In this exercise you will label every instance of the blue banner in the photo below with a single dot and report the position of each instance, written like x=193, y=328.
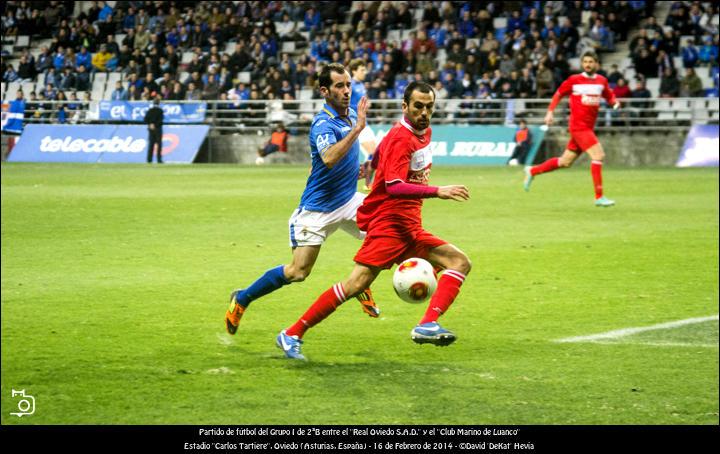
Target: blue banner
x=105, y=143
x=12, y=116
x=134, y=111
x=474, y=144
x=701, y=147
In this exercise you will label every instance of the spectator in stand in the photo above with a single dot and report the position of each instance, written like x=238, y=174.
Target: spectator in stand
x=691, y=85
x=645, y=64
x=312, y=22
x=690, y=54
x=26, y=70
x=621, y=89
x=614, y=75
x=641, y=92
x=83, y=58
x=120, y=93
x=100, y=59
x=105, y=11
x=664, y=61
x=544, y=81
x=708, y=53
x=10, y=75
x=67, y=79
x=669, y=84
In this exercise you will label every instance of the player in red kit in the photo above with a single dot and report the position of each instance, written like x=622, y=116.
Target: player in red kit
x=391, y=216
x=585, y=91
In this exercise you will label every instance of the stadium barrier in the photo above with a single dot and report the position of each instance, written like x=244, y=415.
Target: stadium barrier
x=643, y=132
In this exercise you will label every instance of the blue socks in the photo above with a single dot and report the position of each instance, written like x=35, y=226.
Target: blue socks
x=273, y=279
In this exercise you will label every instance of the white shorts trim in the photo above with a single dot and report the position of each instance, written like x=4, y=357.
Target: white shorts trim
x=312, y=228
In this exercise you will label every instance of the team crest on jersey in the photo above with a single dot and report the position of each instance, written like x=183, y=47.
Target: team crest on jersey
x=420, y=164
x=590, y=100
x=322, y=141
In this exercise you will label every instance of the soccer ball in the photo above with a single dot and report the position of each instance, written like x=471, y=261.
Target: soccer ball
x=414, y=280
x=259, y=161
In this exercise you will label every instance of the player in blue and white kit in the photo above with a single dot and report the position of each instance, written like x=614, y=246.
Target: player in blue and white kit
x=330, y=199
x=368, y=142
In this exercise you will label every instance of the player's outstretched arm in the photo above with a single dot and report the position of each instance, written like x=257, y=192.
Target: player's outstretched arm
x=335, y=153
x=456, y=192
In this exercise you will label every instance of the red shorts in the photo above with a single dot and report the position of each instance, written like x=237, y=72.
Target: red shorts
x=382, y=251
x=580, y=141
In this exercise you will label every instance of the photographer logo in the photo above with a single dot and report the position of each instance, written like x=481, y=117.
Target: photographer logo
x=26, y=404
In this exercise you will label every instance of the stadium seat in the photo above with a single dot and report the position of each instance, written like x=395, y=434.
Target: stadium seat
x=112, y=78
x=393, y=36
x=98, y=89
x=475, y=41
x=305, y=93
x=3, y=87
x=11, y=90
x=653, y=85
x=244, y=77
x=574, y=63
x=662, y=106
x=705, y=78
x=22, y=41
x=230, y=47
x=100, y=78
x=685, y=38
x=441, y=57
x=28, y=88
x=119, y=38
x=500, y=22
x=288, y=46
x=186, y=58
x=678, y=64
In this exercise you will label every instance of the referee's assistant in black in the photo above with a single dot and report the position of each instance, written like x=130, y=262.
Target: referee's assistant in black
x=154, y=120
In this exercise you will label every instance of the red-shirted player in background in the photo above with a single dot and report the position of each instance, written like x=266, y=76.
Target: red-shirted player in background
x=391, y=216
x=585, y=91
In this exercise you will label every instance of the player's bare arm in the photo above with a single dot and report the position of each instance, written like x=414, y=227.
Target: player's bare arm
x=455, y=192
x=336, y=152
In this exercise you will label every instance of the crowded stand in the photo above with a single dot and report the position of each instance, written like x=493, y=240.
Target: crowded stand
x=237, y=51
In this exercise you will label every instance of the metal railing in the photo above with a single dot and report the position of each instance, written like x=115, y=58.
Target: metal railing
x=651, y=114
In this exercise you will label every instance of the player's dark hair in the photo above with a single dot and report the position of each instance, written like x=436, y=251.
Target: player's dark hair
x=355, y=64
x=325, y=78
x=422, y=87
x=591, y=54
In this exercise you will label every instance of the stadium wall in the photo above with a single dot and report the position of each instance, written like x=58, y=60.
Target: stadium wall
x=622, y=148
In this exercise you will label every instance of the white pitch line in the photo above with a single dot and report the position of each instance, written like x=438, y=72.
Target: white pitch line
x=629, y=331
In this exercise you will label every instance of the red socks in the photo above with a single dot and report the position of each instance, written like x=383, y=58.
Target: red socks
x=448, y=288
x=319, y=311
x=596, y=170
x=547, y=166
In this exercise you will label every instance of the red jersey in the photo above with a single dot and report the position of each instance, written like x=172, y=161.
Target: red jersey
x=585, y=93
x=403, y=155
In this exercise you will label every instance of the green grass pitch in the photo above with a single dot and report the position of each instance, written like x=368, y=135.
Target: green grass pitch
x=115, y=280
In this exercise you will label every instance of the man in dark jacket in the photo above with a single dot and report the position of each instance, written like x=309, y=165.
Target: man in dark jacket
x=154, y=120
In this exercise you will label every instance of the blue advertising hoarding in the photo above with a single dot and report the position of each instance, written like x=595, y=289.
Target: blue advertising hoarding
x=105, y=143
x=134, y=111
x=473, y=144
x=701, y=147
